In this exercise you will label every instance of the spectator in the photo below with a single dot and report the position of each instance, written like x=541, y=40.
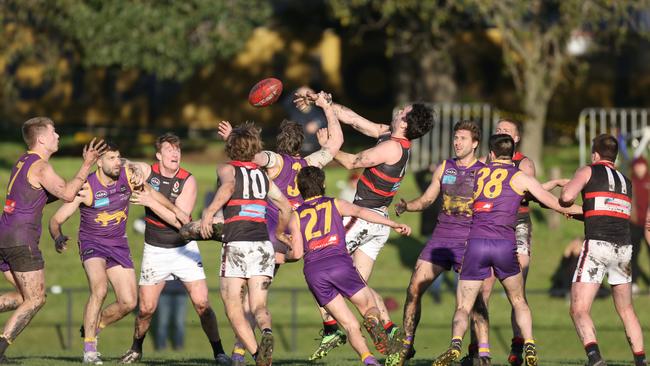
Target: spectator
x=169, y=318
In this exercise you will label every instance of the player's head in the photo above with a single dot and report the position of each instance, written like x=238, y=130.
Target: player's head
x=168, y=151
x=244, y=142
x=604, y=147
x=414, y=120
x=311, y=182
x=290, y=138
x=40, y=131
x=510, y=126
x=467, y=135
x=110, y=162
x=502, y=146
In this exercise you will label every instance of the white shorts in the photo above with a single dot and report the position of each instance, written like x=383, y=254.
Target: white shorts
x=162, y=264
x=365, y=236
x=601, y=257
x=246, y=259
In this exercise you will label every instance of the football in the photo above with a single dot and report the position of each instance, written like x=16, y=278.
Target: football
x=265, y=92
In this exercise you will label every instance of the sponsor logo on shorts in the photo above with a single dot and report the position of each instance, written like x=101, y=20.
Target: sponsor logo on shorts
x=199, y=264
x=101, y=194
x=10, y=206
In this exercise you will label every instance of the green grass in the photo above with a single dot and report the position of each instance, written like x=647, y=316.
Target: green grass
x=556, y=337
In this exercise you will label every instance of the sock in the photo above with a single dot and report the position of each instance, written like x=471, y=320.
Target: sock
x=100, y=327
x=408, y=341
x=217, y=348
x=517, y=345
x=639, y=359
x=4, y=343
x=137, y=344
x=484, y=350
x=368, y=359
x=472, y=349
x=330, y=327
x=388, y=327
x=592, y=350
x=457, y=343
x=90, y=344
x=267, y=330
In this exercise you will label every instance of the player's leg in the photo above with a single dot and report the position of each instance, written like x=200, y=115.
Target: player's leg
x=9, y=300
x=346, y=318
x=466, y=294
x=231, y=294
x=198, y=292
x=364, y=301
x=95, y=269
x=239, y=351
x=148, y=296
x=258, y=289
x=514, y=287
x=523, y=232
x=126, y=295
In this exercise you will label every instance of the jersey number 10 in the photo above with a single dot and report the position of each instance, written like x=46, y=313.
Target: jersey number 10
x=254, y=181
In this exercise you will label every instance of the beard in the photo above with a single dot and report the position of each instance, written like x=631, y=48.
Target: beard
x=113, y=174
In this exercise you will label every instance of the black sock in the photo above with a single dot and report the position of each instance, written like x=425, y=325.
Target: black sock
x=3, y=345
x=267, y=330
x=330, y=327
x=137, y=344
x=593, y=352
x=639, y=359
x=217, y=348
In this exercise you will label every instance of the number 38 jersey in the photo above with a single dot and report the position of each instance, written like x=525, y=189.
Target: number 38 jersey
x=245, y=212
x=321, y=226
x=496, y=202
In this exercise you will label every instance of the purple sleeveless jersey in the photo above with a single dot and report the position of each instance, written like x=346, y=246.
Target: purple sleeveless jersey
x=496, y=203
x=286, y=182
x=104, y=221
x=328, y=268
x=20, y=223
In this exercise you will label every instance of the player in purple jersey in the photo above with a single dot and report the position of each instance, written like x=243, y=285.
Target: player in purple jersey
x=607, y=249
x=166, y=255
x=491, y=245
x=384, y=168
x=454, y=179
x=103, y=245
x=32, y=184
x=317, y=233
x=248, y=261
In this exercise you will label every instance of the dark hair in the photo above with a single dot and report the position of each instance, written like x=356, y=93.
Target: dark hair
x=606, y=146
x=244, y=142
x=170, y=138
x=515, y=122
x=311, y=182
x=470, y=126
x=502, y=145
x=111, y=146
x=290, y=138
x=418, y=121
x=33, y=127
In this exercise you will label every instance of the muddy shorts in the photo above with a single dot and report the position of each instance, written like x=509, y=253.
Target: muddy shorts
x=599, y=258
x=163, y=264
x=246, y=259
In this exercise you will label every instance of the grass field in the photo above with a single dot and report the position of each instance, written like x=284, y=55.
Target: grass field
x=42, y=343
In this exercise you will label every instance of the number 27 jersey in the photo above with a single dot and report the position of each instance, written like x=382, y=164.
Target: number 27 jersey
x=245, y=212
x=496, y=202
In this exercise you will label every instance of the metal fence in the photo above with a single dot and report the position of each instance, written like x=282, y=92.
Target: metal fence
x=437, y=144
x=626, y=123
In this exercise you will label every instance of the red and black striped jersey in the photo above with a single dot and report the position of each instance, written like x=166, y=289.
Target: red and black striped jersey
x=379, y=184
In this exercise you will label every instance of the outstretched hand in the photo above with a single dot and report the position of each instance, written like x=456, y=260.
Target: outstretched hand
x=224, y=129
x=93, y=151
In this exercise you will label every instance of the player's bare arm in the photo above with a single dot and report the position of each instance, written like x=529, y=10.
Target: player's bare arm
x=226, y=174
x=527, y=166
x=361, y=124
x=43, y=174
x=283, y=205
x=388, y=152
x=145, y=197
x=294, y=241
x=330, y=145
x=350, y=209
x=551, y=184
x=573, y=188
x=428, y=197
x=61, y=216
x=524, y=182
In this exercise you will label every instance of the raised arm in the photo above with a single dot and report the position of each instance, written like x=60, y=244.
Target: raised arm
x=525, y=182
x=42, y=174
x=226, y=174
x=384, y=152
x=573, y=188
x=363, y=125
x=334, y=140
x=349, y=209
x=283, y=205
x=427, y=198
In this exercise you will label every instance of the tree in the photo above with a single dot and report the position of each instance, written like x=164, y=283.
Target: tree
x=534, y=36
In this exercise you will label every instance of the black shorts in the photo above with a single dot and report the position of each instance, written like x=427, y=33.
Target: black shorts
x=24, y=258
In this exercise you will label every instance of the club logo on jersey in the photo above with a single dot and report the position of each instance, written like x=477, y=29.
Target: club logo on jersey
x=122, y=189
x=104, y=218
x=102, y=202
x=10, y=206
x=451, y=171
x=176, y=187
x=101, y=194
x=155, y=183
x=483, y=206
